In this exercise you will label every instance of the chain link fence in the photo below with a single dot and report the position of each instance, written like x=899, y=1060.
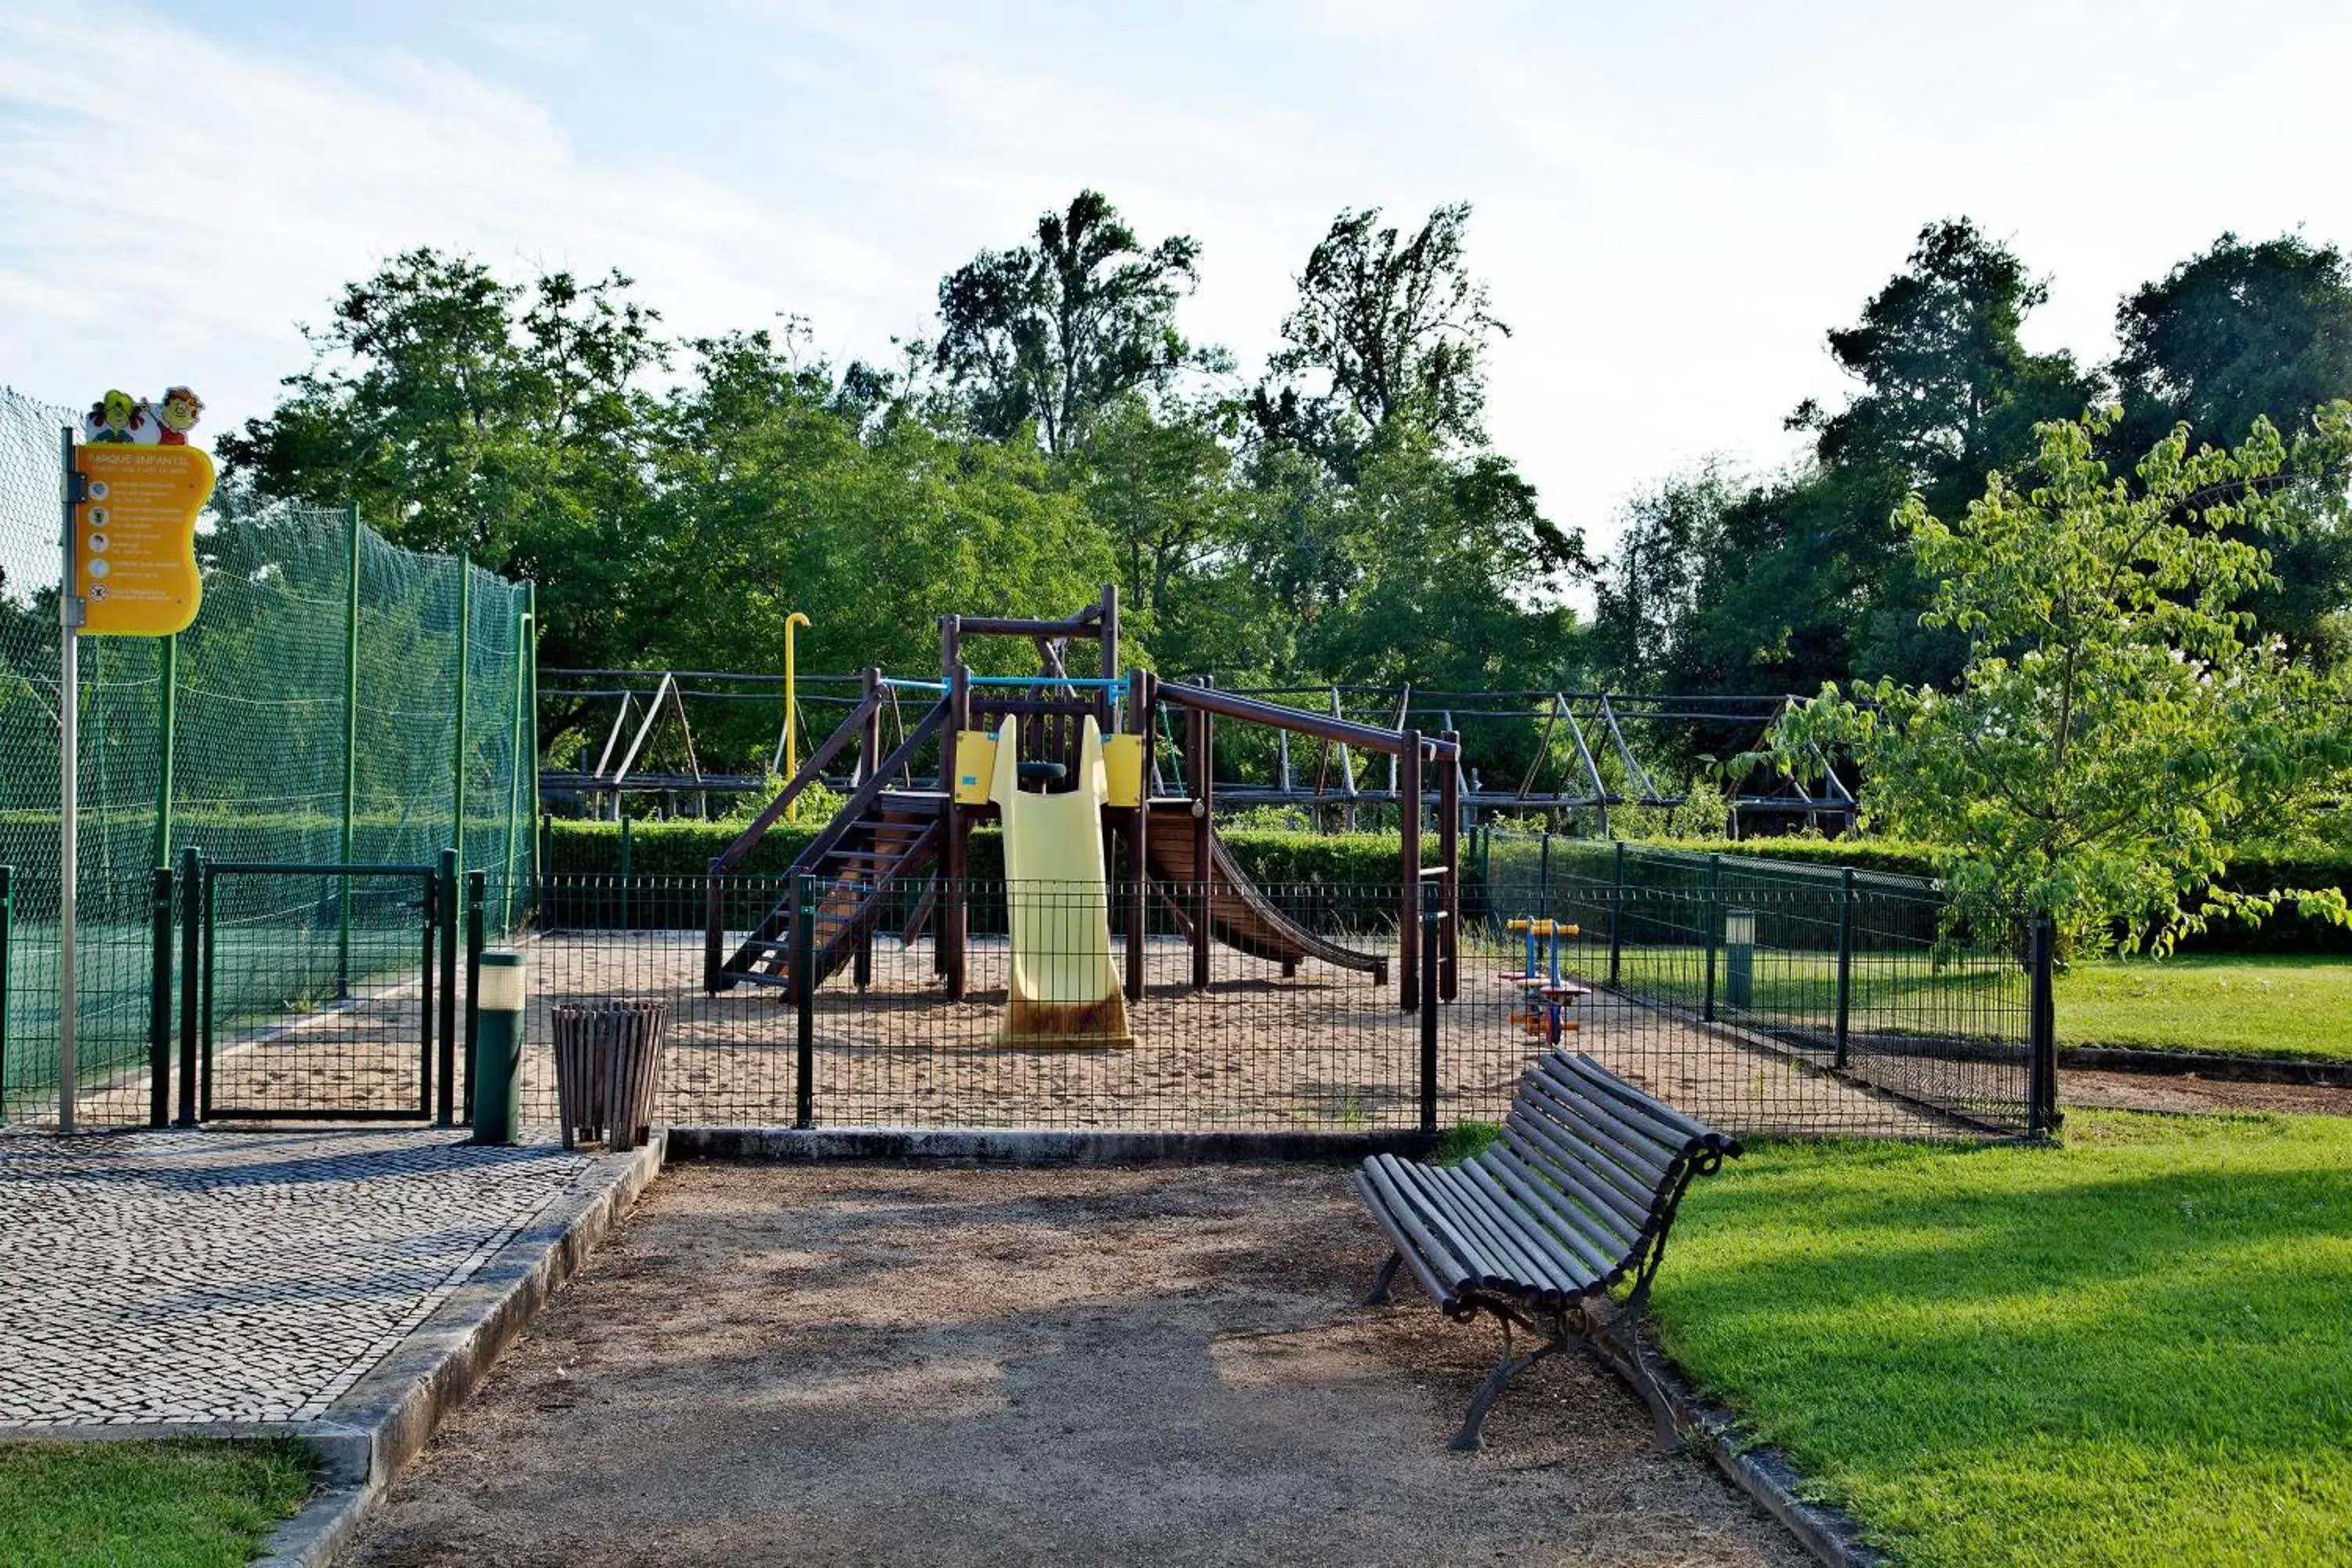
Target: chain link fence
x=310, y=716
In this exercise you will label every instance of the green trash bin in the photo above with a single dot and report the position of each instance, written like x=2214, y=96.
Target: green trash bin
x=497, y=1067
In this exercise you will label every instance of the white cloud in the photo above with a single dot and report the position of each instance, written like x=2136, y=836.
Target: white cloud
x=1672, y=207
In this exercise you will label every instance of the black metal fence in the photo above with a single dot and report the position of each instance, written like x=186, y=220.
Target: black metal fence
x=1766, y=998
x=1856, y=978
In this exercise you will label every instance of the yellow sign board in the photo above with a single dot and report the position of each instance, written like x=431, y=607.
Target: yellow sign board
x=135, y=537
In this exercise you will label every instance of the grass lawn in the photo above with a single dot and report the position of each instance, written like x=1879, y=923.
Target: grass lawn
x=2133, y=1348
x=2252, y=1006
x=180, y=1503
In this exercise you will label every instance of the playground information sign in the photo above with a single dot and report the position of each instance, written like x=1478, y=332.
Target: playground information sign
x=135, y=537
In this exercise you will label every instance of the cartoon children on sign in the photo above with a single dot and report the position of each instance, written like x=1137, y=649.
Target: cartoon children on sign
x=118, y=420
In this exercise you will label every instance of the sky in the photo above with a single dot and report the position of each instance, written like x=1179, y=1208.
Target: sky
x=1672, y=205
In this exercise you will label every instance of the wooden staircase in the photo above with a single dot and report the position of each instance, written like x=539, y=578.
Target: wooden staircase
x=862, y=859
x=878, y=853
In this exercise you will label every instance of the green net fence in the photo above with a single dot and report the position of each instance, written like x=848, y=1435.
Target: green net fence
x=262, y=717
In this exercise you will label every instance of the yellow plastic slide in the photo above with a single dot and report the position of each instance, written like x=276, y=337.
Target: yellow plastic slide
x=1065, y=990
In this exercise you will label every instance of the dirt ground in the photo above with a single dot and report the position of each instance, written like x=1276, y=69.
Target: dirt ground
x=866, y=1364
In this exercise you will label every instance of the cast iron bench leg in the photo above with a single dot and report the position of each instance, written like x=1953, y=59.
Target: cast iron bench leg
x=1468, y=1440
x=1379, y=1295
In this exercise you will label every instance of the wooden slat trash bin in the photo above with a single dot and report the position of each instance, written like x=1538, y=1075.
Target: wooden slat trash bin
x=608, y=1069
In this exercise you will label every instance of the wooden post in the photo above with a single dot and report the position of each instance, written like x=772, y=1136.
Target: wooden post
x=862, y=962
x=1449, y=855
x=1105, y=705
x=1408, y=797
x=1141, y=699
x=1199, y=776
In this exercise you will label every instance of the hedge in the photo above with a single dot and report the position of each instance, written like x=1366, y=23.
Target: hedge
x=1276, y=859
x=686, y=847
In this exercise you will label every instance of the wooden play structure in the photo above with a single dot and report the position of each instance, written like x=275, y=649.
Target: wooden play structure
x=1054, y=733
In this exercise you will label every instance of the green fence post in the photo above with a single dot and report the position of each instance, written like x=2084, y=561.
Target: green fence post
x=1433, y=911
x=204, y=999
x=445, y=901
x=351, y=741
x=1714, y=885
x=192, y=881
x=2041, y=1113
x=475, y=897
x=1845, y=958
x=514, y=776
x=167, y=717
x=159, y=1003
x=457, y=769
x=7, y=946
x=530, y=757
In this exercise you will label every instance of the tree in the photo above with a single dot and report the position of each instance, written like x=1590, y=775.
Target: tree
x=2121, y=731
x=1385, y=324
x=1646, y=604
x=1948, y=388
x=460, y=413
x=1162, y=484
x=2237, y=333
x=1058, y=331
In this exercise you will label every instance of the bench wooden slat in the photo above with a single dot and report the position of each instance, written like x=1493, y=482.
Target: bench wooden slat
x=1607, y=1233
x=1553, y=1156
x=1608, y=1082
x=1407, y=1251
x=1598, y=1210
x=1526, y=1260
x=1629, y=1122
x=1445, y=1263
x=1574, y=1273
x=1643, y=1163
x=1483, y=1262
x=1568, y=1222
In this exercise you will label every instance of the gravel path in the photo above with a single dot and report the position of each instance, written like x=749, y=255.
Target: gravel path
x=868, y=1365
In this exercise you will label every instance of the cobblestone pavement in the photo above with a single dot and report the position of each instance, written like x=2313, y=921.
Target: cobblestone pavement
x=215, y=1277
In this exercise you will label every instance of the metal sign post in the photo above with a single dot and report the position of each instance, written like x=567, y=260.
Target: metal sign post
x=70, y=619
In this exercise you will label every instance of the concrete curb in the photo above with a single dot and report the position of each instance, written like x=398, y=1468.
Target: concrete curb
x=372, y=1433
x=990, y=1146
x=2207, y=1064
x=1762, y=1473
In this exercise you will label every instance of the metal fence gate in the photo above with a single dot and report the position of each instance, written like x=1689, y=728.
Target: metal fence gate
x=315, y=992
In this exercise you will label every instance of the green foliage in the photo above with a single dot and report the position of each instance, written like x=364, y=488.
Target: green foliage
x=1385, y=327
x=1055, y=332
x=2121, y=731
x=685, y=847
x=2129, y=1349
x=2241, y=333
x=185, y=1502
x=459, y=413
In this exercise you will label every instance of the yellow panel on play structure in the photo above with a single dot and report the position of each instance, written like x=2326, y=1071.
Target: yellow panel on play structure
x=1123, y=766
x=975, y=766
x=1063, y=989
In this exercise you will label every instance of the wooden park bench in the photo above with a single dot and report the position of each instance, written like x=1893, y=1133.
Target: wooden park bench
x=1573, y=1200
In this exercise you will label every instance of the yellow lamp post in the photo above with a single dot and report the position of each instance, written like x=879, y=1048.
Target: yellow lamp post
x=791, y=716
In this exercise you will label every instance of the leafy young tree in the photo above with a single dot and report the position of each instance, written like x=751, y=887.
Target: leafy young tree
x=1059, y=330
x=2121, y=731
x=1386, y=323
